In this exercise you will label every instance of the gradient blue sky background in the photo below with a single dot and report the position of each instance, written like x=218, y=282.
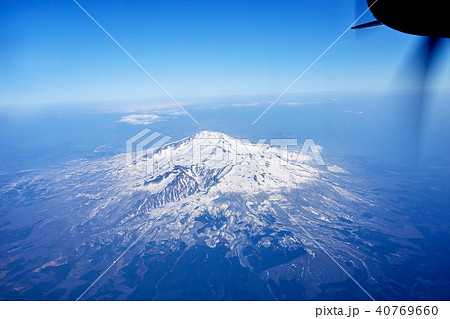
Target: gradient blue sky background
x=52, y=52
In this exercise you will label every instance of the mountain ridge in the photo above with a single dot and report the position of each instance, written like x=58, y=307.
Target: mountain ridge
x=229, y=214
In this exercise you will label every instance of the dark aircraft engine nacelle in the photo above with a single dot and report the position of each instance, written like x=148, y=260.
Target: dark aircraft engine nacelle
x=419, y=17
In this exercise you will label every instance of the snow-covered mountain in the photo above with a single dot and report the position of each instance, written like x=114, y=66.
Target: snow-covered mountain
x=207, y=217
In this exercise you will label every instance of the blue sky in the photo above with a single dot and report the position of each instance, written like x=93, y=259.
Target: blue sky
x=52, y=52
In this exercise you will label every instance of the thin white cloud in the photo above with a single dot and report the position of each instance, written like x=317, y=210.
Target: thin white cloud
x=141, y=119
x=295, y=103
x=246, y=104
x=144, y=108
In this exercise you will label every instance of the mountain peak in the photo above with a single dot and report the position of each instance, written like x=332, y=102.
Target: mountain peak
x=212, y=135
x=230, y=162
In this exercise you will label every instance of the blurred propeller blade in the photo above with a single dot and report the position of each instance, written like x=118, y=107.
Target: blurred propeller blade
x=416, y=76
x=360, y=7
x=367, y=21
x=421, y=68
x=368, y=25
